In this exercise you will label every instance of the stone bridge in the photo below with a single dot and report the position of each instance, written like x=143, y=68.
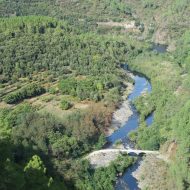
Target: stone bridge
x=128, y=151
x=101, y=158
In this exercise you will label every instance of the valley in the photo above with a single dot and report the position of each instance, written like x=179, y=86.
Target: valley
x=78, y=77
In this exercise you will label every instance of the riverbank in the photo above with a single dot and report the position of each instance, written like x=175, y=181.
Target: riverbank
x=152, y=173
x=122, y=114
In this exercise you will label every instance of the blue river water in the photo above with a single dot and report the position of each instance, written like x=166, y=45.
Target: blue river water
x=149, y=119
x=141, y=85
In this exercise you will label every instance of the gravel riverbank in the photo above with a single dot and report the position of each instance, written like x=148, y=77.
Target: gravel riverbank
x=121, y=115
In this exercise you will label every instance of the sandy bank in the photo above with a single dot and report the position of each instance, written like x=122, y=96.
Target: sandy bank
x=122, y=114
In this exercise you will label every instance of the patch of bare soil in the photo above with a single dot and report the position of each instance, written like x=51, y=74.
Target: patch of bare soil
x=53, y=107
x=51, y=104
x=168, y=150
x=4, y=105
x=126, y=25
x=82, y=105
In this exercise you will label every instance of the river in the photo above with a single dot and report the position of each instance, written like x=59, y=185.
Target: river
x=142, y=84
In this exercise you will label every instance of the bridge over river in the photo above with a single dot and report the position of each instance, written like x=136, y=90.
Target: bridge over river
x=103, y=157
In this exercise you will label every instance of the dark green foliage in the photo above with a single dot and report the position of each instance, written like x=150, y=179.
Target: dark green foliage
x=29, y=91
x=83, y=89
x=29, y=52
x=32, y=176
x=93, y=88
x=182, y=54
x=100, y=178
x=87, y=65
x=57, y=143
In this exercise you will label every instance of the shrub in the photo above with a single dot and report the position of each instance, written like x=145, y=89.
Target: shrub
x=53, y=90
x=65, y=105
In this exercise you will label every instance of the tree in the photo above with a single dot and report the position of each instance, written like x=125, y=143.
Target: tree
x=35, y=175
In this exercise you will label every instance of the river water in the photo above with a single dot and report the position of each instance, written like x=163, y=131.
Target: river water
x=141, y=85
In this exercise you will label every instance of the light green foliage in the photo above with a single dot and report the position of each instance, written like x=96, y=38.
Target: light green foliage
x=101, y=141
x=86, y=64
x=35, y=164
x=150, y=4
x=65, y=105
x=180, y=125
x=35, y=174
x=42, y=134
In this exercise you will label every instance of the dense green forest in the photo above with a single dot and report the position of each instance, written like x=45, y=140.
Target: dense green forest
x=100, y=10
x=28, y=137
x=55, y=51
x=42, y=49
x=38, y=51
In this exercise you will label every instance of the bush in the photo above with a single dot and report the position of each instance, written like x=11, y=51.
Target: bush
x=65, y=105
x=53, y=90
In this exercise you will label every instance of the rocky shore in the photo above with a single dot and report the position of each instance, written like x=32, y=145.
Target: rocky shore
x=122, y=114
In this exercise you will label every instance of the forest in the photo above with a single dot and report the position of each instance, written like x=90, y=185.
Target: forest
x=65, y=9
x=42, y=150
x=55, y=52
